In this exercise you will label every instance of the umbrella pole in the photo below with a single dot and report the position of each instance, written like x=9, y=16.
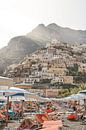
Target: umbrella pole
x=7, y=110
x=22, y=107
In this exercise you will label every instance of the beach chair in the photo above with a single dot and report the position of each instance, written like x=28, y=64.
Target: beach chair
x=53, y=123
x=18, y=116
x=2, y=119
x=54, y=127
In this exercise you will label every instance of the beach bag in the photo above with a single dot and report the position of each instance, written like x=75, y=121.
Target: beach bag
x=72, y=117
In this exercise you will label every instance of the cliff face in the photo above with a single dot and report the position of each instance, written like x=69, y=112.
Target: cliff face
x=16, y=50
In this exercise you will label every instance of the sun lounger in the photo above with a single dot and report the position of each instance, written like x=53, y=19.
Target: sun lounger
x=50, y=123
x=54, y=127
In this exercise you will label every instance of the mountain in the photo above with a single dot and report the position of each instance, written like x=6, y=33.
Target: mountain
x=16, y=50
x=41, y=34
x=20, y=46
x=45, y=34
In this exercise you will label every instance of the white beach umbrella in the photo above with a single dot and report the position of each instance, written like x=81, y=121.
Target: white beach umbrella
x=78, y=96
x=75, y=97
x=28, y=96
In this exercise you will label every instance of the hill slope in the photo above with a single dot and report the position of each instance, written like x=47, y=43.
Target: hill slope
x=16, y=50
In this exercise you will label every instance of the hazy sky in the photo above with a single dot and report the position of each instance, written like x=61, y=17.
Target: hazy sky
x=18, y=17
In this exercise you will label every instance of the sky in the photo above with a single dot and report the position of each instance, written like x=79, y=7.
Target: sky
x=18, y=17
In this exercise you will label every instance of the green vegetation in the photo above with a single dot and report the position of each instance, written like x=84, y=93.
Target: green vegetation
x=70, y=91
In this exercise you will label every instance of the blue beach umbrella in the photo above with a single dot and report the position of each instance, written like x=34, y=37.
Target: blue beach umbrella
x=11, y=92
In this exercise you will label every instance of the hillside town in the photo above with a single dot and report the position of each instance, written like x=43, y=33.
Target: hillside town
x=57, y=65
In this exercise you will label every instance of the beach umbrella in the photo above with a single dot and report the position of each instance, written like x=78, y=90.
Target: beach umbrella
x=24, y=95
x=18, y=89
x=78, y=96
x=83, y=92
x=19, y=92
x=10, y=92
